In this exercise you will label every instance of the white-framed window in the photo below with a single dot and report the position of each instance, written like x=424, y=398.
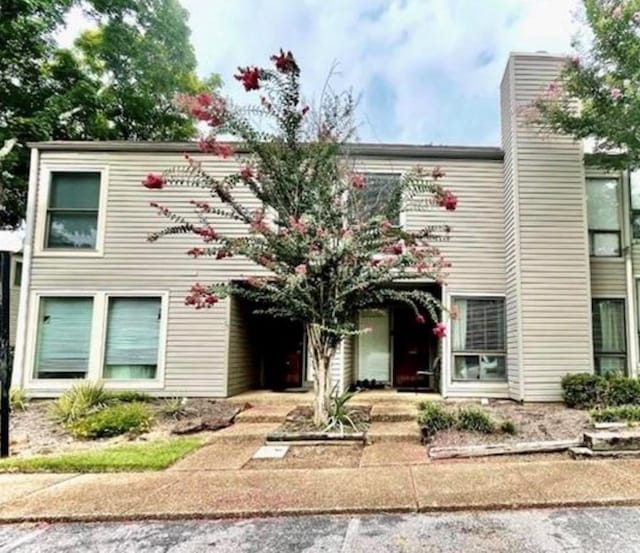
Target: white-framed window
x=71, y=211
x=478, y=335
x=63, y=340
x=603, y=212
x=634, y=184
x=609, y=335
x=118, y=337
x=132, y=338
x=382, y=196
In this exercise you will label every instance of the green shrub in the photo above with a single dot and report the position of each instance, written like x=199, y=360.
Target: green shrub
x=581, y=390
x=621, y=390
x=433, y=417
x=473, y=419
x=79, y=401
x=130, y=396
x=112, y=421
x=18, y=399
x=620, y=413
x=508, y=427
x=174, y=407
x=586, y=391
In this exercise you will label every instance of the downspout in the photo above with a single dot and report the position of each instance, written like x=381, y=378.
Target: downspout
x=19, y=375
x=632, y=324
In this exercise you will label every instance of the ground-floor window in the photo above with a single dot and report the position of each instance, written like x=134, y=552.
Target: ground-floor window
x=133, y=334
x=64, y=337
x=478, y=339
x=125, y=343
x=609, y=336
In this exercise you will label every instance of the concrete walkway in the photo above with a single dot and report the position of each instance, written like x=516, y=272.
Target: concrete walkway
x=228, y=492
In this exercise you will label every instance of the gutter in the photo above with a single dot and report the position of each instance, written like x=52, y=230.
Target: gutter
x=359, y=149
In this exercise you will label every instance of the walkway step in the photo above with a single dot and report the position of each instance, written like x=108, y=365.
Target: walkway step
x=265, y=413
x=586, y=453
x=404, y=431
x=393, y=412
x=621, y=440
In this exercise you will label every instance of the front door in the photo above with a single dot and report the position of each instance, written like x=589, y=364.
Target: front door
x=414, y=351
x=283, y=354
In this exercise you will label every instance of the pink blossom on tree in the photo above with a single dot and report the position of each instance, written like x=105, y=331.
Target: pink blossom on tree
x=327, y=251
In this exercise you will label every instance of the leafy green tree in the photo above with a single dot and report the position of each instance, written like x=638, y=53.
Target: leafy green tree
x=116, y=83
x=598, y=93
x=320, y=251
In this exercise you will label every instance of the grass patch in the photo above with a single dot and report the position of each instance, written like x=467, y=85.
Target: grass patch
x=128, y=457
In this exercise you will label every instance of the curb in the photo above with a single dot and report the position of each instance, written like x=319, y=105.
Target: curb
x=239, y=515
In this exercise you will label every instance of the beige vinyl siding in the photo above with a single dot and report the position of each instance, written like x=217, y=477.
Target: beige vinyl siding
x=511, y=234
x=196, y=352
x=552, y=236
x=608, y=277
x=348, y=376
x=476, y=245
x=243, y=373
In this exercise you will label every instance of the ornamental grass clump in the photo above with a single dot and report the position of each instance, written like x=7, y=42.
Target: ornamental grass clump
x=82, y=399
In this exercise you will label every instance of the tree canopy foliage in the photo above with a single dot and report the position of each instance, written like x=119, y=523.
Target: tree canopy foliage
x=116, y=82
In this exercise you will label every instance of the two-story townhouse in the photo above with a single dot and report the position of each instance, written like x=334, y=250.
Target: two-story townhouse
x=544, y=273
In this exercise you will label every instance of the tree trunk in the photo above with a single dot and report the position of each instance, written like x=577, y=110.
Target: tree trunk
x=322, y=348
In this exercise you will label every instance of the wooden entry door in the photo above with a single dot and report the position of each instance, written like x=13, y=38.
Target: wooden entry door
x=414, y=350
x=283, y=354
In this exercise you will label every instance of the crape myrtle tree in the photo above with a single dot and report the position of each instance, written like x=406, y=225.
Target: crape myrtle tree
x=323, y=253
x=597, y=95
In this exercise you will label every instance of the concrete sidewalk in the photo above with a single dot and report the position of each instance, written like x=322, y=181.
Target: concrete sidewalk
x=257, y=493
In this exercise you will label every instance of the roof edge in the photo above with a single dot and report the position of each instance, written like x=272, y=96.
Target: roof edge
x=361, y=149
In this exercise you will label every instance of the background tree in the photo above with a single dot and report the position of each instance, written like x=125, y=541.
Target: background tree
x=115, y=83
x=598, y=93
x=321, y=254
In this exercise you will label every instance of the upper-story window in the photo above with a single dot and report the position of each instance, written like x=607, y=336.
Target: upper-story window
x=603, y=207
x=72, y=211
x=382, y=196
x=635, y=204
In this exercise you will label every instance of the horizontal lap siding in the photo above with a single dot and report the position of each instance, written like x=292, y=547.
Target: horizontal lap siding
x=555, y=281
x=608, y=278
x=196, y=352
x=511, y=233
x=476, y=245
x=347, y=369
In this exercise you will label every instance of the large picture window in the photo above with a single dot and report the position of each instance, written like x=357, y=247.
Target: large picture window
x=133, y=334
x=64, y=337
x=479, y=343
x=72, y=213
x=603, y=210
x=609, y=336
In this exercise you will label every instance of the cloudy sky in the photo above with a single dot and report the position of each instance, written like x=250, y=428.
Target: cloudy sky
x=426, y=71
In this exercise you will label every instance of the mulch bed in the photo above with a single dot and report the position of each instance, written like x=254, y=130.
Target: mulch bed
x=300, y=421
x=534, y=422
x=32, y=432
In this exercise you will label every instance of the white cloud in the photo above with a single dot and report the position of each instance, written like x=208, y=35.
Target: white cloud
x=443, y=59
x=427, y=50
